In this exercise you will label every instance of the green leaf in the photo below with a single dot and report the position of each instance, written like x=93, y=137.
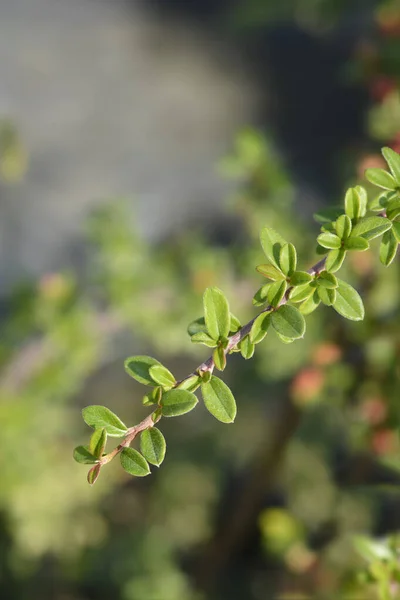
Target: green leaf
x=388, y=248
x=300, y=278
x=260, y=327
x=329, y=240
x=363, y=199
x=343, y=227
x=270, y=272
x=289, y=322
x=235, y=324
x=371, y=550
x=356, y=243
x=381, y=178
x=83, y=456
x=271, y=243
x=219, y=400
x=98, y=442
x=153, y=446
x=327, y=279
x=288, y=259
x=276, y=292
x=100, y=417
x=203, y=338
x=371, y=227
x=327, y=215
x=284, y=339
x=93, y=474
x=310, y=304
x=396, y=230
x=196, y=326
x=138, y=367
x=335, y=259
x=327, y=295
x=153, y=396
x=352, y=203
x=393, y=161
x=261, y=295
x=301, y=292
x=348, y=302
x=393, y=209
x=162, y=376
x=216, y=313
x=177, y=402
x=247, y=347
x=134, y=463
x=190, y=384
x=219, y=358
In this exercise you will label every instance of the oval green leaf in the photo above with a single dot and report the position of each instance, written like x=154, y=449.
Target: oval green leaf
x=202, y=337
x=343, y=227
x=352, y=203
x=358, y=244
x=288, y=259
x=98, y=442
x=393, y=161
x=100, y=417
x=196, y=326
x=388, y=248
x=301, y=292
x=270, y=272
x=138, y=367
x=216, y=313
x=276, y=292
x=162, y=376
x=271, y=243
x=335, y=259
x=329, y=240
x=371, y=227
x=247, y=347
x=310, y=304
x=289, y=322
x=83, y=456
x=327, y=279
x=93, y=474
x=261, y=295
x=219, y=400
x=381, y=178
x=153, y=446
x=177, y=402
x=260, y=327
x=300, y=278
x=348, y=302
x=219, y=358
x=134, y=463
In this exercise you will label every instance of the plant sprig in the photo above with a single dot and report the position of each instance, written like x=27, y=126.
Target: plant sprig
x=341, y=233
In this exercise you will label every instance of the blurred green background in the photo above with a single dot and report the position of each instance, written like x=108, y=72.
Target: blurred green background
x=259, y=113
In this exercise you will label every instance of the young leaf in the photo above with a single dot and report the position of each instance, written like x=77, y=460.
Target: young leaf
x=261, y=295
x=138, y=367
x=381, y=178
x=329, y=240
x=270, y=272
x=348, y=302
x=326, y=295
x=153, y=396
x=276, y=292
x=196, y=326
x=260, y=327
x=100, y=417
x=288, y=259
x=216, y=313
x=177, y=402
x=393, y=209
x=343, y=227
x=363, y=199
x=388, y=248
x=393, y=161
x=219, y=400
x=93, y=474
x=190, y=384
x=98, y=442
x=396, y=230
x=327, y=279
x=300, y=278
x=219, y=358
x=247, y=347
x=235, y=324
x=153, y=446
x=356, y=243
x=289, y=322
x=352, y=203
x=371, y=227
x=271, y=243
x=301, y=292
x=83, y=456
x=203, y=338
x=310, y=304
x=335, y=259
x=134, y=463
x=162, y=376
